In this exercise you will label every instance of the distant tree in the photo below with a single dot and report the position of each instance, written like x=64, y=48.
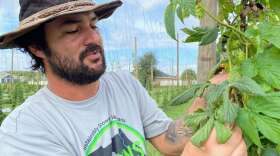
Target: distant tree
x=146, y=66
x=188, y=75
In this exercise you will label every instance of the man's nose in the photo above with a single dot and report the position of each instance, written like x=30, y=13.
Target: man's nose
x=91, y=36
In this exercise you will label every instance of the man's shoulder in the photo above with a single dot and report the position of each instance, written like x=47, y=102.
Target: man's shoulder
x=121, y=75
x=23, y=113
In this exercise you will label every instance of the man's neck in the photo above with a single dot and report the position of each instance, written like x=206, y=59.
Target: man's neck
x=69, y=91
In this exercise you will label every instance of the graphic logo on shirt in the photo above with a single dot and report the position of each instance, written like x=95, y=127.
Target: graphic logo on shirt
x=125, y=140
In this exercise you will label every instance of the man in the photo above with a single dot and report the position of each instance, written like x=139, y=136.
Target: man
x=83, y=110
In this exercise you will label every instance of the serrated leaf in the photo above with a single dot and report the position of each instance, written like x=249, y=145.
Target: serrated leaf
x=201, y=90
x=270, y=32
x=248, y=68
x=189, y=6
x=169, y=20
x=275, y=4
x=248, y=125
x=270, y=152
x=268, y=105
x=182, y=13
x=223, y=133
x=185, y=96
x=196, y=34
x=268, y=66
x=188, y=31
x=220, y=116
x=215, y=92
x=203, y=133
x=193, y=120
x=210, y=36
x=248, y=85
x=269, y=127
x=231, y=109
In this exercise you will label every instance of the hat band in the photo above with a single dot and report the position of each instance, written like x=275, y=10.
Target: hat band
x=69, y=6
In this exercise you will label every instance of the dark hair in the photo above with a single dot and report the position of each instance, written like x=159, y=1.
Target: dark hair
x=37, y=39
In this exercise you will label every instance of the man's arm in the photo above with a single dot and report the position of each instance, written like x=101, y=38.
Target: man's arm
x=173, y=141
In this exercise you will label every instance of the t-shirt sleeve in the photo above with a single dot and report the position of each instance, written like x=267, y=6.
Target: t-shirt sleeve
x=21, y=134
x=154, y=120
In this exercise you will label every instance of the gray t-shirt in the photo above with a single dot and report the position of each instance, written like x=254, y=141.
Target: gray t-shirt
x=114, y=122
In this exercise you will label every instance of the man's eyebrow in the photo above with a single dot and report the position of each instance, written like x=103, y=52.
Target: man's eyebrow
x=74, y=21
x=70, y=21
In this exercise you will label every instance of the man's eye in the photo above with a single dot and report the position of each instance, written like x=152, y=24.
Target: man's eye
x=94, y=27
x=72, y=31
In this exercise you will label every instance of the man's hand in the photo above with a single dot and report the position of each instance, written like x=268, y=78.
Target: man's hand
x=234, y=147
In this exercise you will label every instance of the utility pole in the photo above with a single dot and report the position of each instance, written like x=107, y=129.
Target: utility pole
x=135, y=58
x=178, y=60
x=12, y=60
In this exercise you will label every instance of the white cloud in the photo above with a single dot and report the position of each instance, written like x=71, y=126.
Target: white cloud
x=148, y=26
x=149, y=4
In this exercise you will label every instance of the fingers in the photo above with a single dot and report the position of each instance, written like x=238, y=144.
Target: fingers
x=241, y=150
x=236, y=137
x=192, y=150
x=197, y=104
x=217, y=79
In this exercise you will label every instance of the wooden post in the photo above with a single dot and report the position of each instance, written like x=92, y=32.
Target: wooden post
x=207, y=54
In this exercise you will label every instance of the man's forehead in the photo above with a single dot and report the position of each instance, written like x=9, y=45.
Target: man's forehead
x=77, y=16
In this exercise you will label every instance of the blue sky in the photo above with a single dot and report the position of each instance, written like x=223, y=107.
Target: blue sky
x=142, y=19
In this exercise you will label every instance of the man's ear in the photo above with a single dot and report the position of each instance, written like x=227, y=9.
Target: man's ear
x=37, y=52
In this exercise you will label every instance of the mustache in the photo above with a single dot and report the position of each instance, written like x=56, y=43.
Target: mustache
x=90, y=49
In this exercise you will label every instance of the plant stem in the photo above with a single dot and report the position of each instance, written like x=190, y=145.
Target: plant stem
x=229, y=56
x=224, y=24
x=246, y=54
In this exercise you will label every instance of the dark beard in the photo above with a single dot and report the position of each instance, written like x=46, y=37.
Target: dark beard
x=77, y=73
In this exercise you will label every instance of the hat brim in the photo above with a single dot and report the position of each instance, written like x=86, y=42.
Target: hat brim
x=102, y=11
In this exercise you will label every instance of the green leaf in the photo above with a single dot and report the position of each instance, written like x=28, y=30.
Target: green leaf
x=181, y=13
x=196, y=34
x=210, y=36
x=268, y=105
x=189, y=6
x=169, y=20
x=248, y=125
x=185, y=96
x=269, y=127
x=199, y=12
x=248, y=85
x=223, y=133
x=275, y=5
x=220, y=115
x=231, y=109
x=270, y=32
x=268, y=66
x=193, y=120
x=278, y=148
x=201, y=90
x=248, y=69
x=203, y=133
x=270, y=152
x=215, y=92
x=188, y=31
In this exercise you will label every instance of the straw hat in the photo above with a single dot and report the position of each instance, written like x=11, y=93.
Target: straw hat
x=35, y=12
